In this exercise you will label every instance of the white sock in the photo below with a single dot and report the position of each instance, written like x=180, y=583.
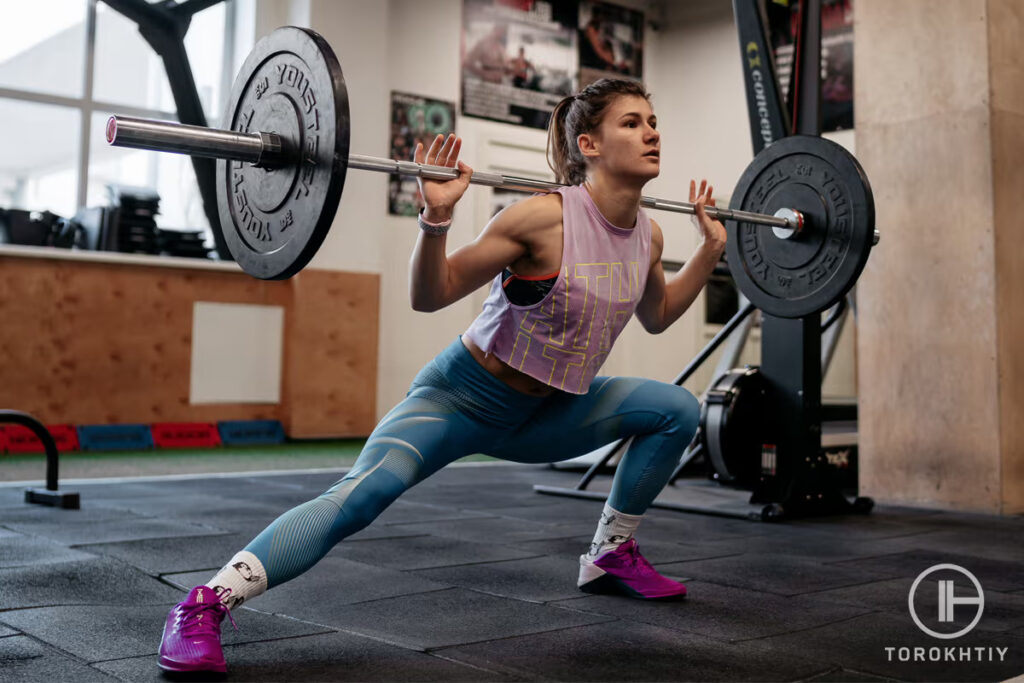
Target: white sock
x=239, y=580
x=614, y=529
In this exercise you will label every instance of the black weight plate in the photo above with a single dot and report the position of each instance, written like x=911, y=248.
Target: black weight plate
x=274, y=220
x=793, y=278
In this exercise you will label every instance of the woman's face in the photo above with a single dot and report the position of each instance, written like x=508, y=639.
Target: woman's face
x=626, y=143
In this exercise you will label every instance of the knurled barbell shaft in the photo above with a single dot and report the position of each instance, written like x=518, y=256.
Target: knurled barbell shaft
x=265, y=149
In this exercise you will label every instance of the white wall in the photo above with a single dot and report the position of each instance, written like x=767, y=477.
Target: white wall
x=692, y=68
x=423, y=37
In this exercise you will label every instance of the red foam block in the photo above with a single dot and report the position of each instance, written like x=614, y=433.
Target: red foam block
x=185, y=435
x=19, y=439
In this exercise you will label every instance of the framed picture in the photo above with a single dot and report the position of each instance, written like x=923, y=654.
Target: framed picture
x=836, y=56
x=519, y=59
x=414, y=119
x=611, y=42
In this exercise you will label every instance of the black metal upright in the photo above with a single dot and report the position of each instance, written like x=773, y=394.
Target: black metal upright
x=791, y=347
x=769, y=120
x=791, y=365
x=796, y=476
x=164, y=25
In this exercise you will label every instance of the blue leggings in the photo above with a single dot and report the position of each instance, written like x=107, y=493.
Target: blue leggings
x=456, y=408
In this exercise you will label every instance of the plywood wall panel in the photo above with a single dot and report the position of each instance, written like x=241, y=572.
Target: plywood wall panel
x=331, y=349
x=98, y=343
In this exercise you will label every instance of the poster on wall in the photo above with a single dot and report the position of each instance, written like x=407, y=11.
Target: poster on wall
x=611, y=40
x=836, y=56
x=518, y=59
x=414, y=118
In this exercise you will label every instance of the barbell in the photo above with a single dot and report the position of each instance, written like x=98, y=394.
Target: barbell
x=283, y=160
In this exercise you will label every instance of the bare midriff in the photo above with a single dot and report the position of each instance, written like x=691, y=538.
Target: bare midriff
x=515, y=379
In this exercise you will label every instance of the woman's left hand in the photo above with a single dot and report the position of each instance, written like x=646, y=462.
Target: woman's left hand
x=712, y=231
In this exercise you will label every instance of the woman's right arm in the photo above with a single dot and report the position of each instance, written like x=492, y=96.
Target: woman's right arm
x=437, y=279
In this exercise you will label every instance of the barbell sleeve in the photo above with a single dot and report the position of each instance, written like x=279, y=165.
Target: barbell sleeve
x=266, y=149
x=261, y=149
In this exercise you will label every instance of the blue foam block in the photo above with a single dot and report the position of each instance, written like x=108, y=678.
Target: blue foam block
x=239, y=432
x=114, y=437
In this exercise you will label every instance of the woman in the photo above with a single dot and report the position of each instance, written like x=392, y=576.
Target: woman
x=521, y=383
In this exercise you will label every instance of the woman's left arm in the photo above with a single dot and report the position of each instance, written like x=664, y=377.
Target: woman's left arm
x=663, y=302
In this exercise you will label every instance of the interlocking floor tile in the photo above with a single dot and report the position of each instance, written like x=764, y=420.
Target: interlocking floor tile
x=23, y=659
x=618, y=651
x=455, y=616
x=721, y=612
x=91, y=581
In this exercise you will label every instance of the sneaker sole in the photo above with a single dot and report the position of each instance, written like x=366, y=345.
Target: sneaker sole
x=609, y=585
x=177, y=667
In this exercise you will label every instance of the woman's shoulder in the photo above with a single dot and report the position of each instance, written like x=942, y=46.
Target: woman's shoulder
x=533, y=213
x=547, y=204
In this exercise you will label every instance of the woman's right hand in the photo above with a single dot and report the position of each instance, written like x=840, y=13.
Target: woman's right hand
x=440, y=196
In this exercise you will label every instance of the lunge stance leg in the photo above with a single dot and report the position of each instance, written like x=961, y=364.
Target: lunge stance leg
x=412, y=441
x=662, y=419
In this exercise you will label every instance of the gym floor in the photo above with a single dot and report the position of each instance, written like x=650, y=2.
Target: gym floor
x=471, y=576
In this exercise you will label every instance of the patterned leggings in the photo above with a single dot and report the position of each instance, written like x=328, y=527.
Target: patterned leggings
x=456, y=408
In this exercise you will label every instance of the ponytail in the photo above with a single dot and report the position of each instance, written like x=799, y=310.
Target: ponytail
x=578, y=114
x=561, y=160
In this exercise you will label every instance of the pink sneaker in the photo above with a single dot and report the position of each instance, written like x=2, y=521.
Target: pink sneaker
x=191, y=640
x=625, y=571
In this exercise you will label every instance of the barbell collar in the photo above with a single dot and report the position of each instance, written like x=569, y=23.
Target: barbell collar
x=266, y=150
x=789, y=233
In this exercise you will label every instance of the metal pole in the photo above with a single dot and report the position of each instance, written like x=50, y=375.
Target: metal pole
x=265, y=149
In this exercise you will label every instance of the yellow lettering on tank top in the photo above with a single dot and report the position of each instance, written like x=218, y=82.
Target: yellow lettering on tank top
x=597, y=282
x=620, y=304
x=562, y=362
x=520, y=350
x=609, y=293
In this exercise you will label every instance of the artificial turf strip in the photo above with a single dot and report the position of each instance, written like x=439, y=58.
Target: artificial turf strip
x=338, y=454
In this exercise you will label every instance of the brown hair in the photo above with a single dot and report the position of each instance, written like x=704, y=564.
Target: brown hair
x=578, y=114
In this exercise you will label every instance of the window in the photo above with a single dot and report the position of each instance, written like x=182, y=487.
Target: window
x=42, y=46
x=65, y=66
x=38, y=169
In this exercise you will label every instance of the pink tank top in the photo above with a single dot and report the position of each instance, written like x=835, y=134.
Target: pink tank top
x=563, y=340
